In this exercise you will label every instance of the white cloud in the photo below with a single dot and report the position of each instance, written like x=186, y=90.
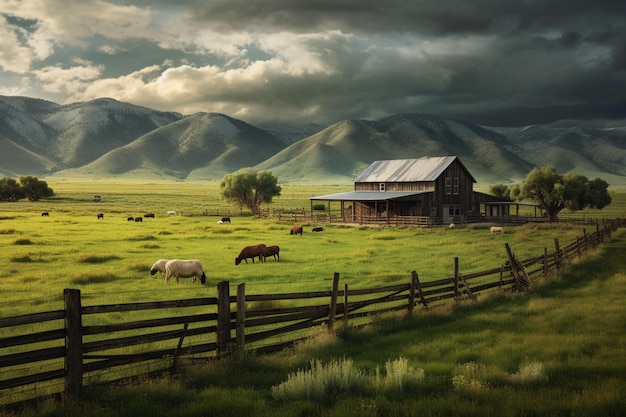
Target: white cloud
x=68, y=80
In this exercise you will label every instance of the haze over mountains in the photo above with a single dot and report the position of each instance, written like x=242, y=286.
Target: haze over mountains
x=106, y=138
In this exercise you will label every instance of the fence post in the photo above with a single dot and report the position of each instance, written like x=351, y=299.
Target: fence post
x=241, y=316
x=545, y=261
x=456, y=277
x=345, y=304
x=223, y=316
x=73, y=343
x=412, y=287
x=557, y=253
x=333, y=301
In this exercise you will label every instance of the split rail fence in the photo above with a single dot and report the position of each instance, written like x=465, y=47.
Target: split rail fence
x=57, y=353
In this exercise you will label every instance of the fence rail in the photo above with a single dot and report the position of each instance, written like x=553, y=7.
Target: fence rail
x=81, y=345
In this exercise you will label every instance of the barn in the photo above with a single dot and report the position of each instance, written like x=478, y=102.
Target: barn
x=428, y=190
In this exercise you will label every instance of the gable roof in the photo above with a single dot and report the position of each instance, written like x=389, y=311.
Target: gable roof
x=408, y=170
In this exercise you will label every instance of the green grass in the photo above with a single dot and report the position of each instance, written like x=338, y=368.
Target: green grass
x=559, y=351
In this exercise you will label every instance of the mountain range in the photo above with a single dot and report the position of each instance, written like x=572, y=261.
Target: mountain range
x=106, y=138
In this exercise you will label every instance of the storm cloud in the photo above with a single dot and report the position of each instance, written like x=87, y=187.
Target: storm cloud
x=493, y=62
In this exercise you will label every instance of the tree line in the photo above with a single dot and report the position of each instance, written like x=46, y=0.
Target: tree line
x=26, y=187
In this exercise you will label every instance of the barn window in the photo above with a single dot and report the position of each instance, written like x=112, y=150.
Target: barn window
x=448, y=185
x=381, y=186
x=455, y=187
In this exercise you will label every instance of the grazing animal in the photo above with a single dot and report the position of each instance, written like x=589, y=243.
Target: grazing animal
x=148, y=215
x=296, y=230
x=317, y=229
x=138, y=219
x=496, y=229
x=45, y=213
x=220, y=222
x=171, y=213
x=272, y=251
x=184, y=269
x=159, y=266
x=452, y=226
x=250, y=252
x=100, y=216
x=130, y=219
x=225, y=219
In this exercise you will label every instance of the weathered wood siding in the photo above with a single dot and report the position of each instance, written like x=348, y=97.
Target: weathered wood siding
x=453, y=188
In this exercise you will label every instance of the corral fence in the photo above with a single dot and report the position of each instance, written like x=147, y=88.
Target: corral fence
x=57, y=353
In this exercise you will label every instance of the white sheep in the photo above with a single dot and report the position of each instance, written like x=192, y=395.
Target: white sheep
x=159, y=266
x=452, y=226
x=497, y=229
x=184, y=269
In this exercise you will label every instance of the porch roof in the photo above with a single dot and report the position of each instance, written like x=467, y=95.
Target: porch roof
x=369, y=195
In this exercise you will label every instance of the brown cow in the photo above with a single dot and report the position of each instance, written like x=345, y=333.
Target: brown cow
x=251, y=252
x=272, y=251
x=296, y=230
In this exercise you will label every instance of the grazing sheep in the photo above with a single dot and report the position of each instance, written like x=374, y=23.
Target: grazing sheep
x=171, y=213
x=100, y=216
x=497, y=229
x=45, y=213
x=251, y=252
x=184, y=269
x=220, y=222
x=317, y=229
x=130, y=219
x=296, y=230
x=452, y=226
x=159, y=266
x=139, y=219
x=272, y=251
x=225, y=220
x=149, y=215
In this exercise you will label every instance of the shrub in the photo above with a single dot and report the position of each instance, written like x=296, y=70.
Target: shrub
x=529, y=373
x=398, y=375
x=321, y=381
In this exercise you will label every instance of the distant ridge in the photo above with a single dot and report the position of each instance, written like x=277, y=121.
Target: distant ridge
x=107, y=138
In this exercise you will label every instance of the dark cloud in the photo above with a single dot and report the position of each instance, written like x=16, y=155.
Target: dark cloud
x=498, y=62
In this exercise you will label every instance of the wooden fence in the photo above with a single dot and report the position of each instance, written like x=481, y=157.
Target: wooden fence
x=56, y=353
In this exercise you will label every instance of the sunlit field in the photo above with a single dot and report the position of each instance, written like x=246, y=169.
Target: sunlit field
x=109, y=259
x=556, y=351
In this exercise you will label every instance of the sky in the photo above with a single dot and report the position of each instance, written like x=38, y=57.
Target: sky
x=491, y=62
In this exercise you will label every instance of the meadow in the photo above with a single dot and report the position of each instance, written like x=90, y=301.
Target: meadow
x=109, y=259
x=559, y=351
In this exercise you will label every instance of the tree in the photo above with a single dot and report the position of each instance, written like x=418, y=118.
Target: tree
x=500, y=190
x=34, y=189
x=10, y=190
x=555, y=192
x=250, y=189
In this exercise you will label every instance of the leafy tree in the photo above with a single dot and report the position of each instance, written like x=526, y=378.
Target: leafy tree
x=10, y=190
x=500, y=190
x=555, y=192
x=34, y=189
x=250, y=189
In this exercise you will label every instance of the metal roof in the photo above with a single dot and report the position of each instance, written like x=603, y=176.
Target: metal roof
x=369, y=195
x=406, y=170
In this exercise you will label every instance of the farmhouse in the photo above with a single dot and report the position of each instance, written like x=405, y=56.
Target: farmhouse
x=428, y=190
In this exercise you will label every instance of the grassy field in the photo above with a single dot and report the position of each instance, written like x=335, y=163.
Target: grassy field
x=109, y=259
x=561, y=351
